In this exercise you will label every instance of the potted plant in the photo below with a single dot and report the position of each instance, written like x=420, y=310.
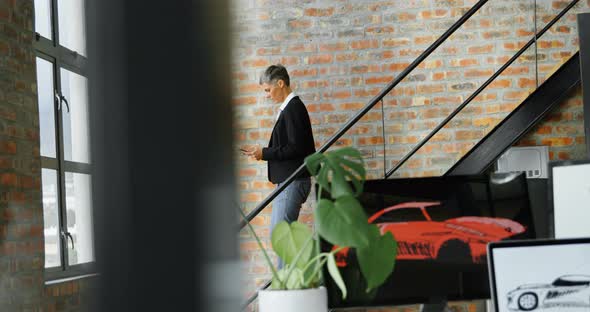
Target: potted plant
x=341, y=221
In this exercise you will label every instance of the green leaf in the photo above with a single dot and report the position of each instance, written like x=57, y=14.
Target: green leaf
x=340, y=186
x=289, y=239
x=335, y=274
x=313, y=162
x=345, y=164
x=343, y=222
x=359, y=170
x=377, y=261
x=295, y=279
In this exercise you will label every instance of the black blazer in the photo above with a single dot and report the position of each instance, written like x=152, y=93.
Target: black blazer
x=291, y=141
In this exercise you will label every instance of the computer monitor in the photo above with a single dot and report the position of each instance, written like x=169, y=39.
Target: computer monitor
x=540, y=275
x=569, y=198
x=442, y=226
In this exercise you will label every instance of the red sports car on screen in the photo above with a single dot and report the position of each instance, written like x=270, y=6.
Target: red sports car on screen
x=421, y=235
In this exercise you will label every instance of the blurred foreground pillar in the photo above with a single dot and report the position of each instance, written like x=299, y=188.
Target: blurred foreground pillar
x=162, y=155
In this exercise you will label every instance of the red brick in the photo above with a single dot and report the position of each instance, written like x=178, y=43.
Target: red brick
x=464, y=62
x=429, y=64
x=351, y=106
x=250, y=88
x=558, y=141
x=514, y=46
x=438, y=13
x=375, y=80
x=488, y=48
x=364, y=44
x=495, y=34
x=343, y=142
x=248, y=172
x=268, y=51
x=486, y=121
x=524, y=32
x=370, y=140
x=319, y=59
x=371, y=116
x=255, y=63
x=566, y=129
x=407, y=139
x=500, y=84
x=329, y=47
x=428, y=89
x=515, y=95
x=424, y=39
x=251, y=197
x=478, y=73
x=483, y=97
x=338, y=95
x=563, y=155
x=298, y=23
x=245, y=100
x=395, y=67
x=308, y=72
x=8, y=147
x=299, y=48
x=8, y=179
x=395, y=42
x=376, y=30
x=319, y=12
x=516, y=70
x=5, y=163
x=544, y=129
x=7, y=114
x=462, y=135
x=548, y=44
x=527, y=83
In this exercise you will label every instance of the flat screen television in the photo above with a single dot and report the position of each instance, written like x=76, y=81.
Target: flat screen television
x=442, y=226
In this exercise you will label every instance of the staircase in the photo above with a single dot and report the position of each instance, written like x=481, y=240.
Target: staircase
x=480, y=112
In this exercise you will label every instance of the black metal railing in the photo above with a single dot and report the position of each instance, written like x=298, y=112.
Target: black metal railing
x=368, y=107
x=481, y=88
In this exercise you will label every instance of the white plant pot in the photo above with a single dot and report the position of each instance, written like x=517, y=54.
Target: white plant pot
x=302, y=300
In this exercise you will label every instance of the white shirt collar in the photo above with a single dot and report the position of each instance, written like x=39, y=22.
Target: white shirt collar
x=286, y=101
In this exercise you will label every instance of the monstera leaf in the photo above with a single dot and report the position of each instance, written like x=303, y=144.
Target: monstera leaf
x=290, y=239
x=343, y=222
x=341, y=165
x=378, y=259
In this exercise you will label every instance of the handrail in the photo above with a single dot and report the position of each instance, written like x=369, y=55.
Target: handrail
x=480, y=89
x=255, y=295
x=367, y=107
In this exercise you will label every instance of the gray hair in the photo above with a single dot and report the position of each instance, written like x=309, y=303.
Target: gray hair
x=274, y=73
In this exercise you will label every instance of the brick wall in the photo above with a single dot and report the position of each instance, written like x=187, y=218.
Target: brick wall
x=342, y=53
x=562, y=130
x=21, y=213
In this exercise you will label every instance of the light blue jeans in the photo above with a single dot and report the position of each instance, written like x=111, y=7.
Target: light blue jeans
x=287, y=204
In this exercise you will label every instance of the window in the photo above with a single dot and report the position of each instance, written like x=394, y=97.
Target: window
x=62, y=93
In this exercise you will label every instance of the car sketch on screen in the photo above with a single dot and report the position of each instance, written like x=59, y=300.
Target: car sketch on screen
x=421, y=236
x=566, y=293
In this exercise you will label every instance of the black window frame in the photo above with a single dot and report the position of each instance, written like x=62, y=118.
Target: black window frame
x=62, y=58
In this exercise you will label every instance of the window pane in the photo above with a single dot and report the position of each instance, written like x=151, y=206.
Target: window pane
x=43, y=18
x=79, y=216
x=72, y=28
x=75, y=122
x=51, y=218
x=45, y=94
